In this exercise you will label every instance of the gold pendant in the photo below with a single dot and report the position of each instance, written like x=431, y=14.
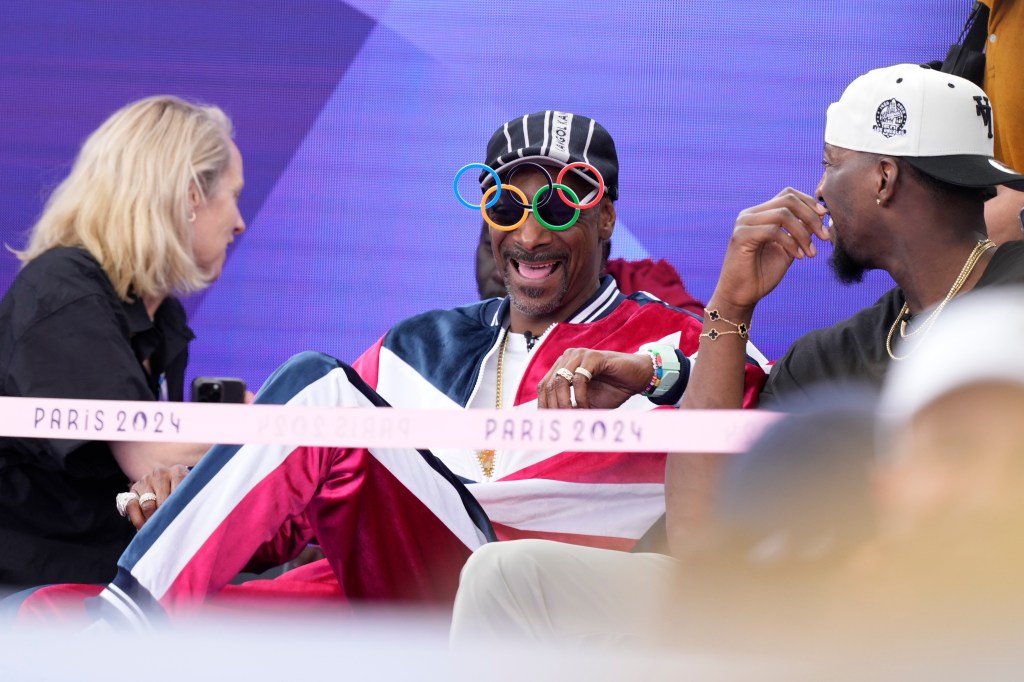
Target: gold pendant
x=486, y=459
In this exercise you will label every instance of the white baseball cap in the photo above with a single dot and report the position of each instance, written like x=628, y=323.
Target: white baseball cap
x=940, y=123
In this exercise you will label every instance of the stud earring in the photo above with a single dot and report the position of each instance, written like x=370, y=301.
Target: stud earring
x=877, y=201
x=192, y=217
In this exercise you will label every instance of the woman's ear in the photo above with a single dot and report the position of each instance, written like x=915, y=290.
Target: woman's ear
x=194, y=197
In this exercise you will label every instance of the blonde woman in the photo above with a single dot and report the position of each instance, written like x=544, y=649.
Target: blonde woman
x=148, y=211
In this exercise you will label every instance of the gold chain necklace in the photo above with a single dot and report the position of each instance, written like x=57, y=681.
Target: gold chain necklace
x=901, y=320
x=486, y=457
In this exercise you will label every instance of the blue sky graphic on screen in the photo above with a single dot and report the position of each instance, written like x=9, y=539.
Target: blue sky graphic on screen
x=354, y=116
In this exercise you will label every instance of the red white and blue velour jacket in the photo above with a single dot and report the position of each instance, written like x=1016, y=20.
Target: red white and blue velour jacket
x=397, y=523
x=435, y=360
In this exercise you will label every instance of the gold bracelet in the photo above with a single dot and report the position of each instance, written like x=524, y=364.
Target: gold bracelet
x=714, y=334
x=742, y=329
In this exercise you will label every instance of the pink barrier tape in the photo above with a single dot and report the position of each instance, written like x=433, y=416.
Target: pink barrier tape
x=579, y=430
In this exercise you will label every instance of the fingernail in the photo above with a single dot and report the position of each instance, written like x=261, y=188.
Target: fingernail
x=799, y=253
x=812, y=250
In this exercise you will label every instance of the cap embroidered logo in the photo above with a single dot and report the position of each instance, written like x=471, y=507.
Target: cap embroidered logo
x=984, y=109
x=890, y=118
x=560, y=134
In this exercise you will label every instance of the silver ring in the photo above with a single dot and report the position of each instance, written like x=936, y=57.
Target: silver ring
x=146, y=497
x=122, y=502
x=565, y=374
x=584, y=372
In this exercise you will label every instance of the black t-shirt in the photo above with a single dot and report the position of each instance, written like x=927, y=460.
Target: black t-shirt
x=64, y=333
x=854, y=350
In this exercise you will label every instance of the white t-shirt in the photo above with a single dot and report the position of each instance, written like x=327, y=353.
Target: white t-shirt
x=513, y=368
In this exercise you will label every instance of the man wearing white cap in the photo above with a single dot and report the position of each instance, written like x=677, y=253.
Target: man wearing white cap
x=908, y=164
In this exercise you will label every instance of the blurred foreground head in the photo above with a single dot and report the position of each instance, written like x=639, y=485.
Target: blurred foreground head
x=938, y=579
x=951, y=485
x=824, y=551
x=951, y=418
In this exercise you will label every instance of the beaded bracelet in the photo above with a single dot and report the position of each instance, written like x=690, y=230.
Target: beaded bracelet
x=656, y=373
x=741, y=329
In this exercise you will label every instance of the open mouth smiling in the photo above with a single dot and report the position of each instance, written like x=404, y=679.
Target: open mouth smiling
x=536, y=270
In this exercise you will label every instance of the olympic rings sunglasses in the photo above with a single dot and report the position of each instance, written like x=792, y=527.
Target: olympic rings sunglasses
x=550, y=206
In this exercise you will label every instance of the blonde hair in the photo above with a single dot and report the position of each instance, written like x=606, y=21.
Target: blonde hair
x=126, y=200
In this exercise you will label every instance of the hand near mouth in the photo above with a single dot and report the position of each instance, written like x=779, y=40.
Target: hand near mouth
x=765, y=241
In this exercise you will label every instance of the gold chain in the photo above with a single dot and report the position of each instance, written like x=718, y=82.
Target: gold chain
x=486, y=457
x=965, y=272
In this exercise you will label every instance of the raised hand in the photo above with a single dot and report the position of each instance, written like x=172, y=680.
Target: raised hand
x=765, y=241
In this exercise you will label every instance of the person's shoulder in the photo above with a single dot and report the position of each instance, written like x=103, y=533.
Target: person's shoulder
x=71, y=257
x=643, y=298
x=64, y=288
x=642, y=308
x=444, y=322
x=476, y=312
x=1011, y=249
x=446, y=346
x=853, y=350
x=67, y=271
x=656, y=277
x=867, y=319
x=1007, y=264
x=55, y=281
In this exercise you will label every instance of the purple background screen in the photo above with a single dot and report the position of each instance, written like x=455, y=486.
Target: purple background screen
x=354, y=116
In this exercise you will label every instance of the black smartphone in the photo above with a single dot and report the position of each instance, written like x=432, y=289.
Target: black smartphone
x=218, y=390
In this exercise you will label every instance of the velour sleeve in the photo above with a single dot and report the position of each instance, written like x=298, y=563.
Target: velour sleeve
x=368, y=364
x=81, y=350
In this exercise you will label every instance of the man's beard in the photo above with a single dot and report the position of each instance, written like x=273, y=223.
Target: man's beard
x=847, y=269
x=525, y=298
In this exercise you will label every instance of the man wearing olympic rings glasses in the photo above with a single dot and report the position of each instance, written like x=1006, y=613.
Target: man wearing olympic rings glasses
x=658, y=277
x=908, y=162
x=400, y=523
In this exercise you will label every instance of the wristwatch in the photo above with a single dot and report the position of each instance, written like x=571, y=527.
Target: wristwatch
x=669, y=366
